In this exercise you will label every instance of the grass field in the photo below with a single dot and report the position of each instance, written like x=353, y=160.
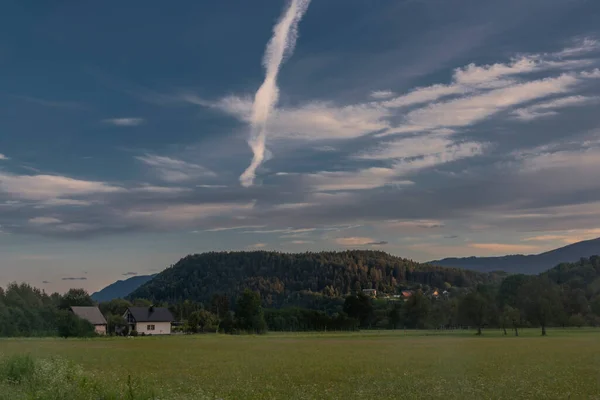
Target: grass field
x=370, y=365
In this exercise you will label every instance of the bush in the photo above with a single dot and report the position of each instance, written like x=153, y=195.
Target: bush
x=16, y=369
x=70, y=325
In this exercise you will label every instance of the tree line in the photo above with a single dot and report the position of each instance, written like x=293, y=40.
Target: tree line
x=567, y=295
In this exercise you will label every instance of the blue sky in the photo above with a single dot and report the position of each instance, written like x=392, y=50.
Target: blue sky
x=425, y=128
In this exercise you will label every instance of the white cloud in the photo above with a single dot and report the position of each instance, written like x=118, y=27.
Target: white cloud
x=369, y=178
x=548, y=108
x=580, y=47
x=174, y=170
x=381, y=94
x=314, y=120
x=471, y=109
x=3, y=157
x=47, y=187
x=424, y=95
x=566, y=236
x=595, y=73
x=124, y=121
x=234, y=228
x=292, y=206
x=44, y=220
x=280, y=46
x=419, y=223
x=184, y=213
x=258, y=246
x=357, y=241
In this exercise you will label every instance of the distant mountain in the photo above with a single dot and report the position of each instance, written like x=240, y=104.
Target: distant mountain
x=296, y=279
x=530, y=264
x=121, y=289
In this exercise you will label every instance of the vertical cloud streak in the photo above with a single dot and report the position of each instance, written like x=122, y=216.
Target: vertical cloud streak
x=281, y=45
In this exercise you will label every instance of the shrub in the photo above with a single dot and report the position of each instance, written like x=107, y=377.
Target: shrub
x=16, y=369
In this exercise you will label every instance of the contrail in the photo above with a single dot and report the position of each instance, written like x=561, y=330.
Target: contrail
x=280, y=46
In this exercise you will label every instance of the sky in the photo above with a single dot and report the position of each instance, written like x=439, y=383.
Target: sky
x=134, y=133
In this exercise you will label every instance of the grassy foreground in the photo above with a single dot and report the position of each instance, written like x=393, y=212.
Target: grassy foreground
x=371, y=365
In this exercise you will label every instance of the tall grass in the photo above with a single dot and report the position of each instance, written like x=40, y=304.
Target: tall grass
x=23, y=377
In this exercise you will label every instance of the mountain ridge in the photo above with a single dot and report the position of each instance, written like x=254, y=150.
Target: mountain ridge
x=121, y=288
x=525, y=264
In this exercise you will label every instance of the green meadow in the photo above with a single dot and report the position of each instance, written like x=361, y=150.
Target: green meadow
x=362, y=365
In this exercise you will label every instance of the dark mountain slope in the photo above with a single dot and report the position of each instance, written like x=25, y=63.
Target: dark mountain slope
x=121, y=289
x=530, y=264
x=284, y=279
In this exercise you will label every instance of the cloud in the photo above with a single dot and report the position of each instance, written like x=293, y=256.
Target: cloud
x=424, y=95
x=129, y=274
x=501, y=248
x=591, y=74
x=359, y=241
x=567, y=236
x=548, y=108
x=381, y=94
x=420, y=223
x=48, y=187
x=258, y=246
x=176, y=214
x=70, y=278
x=124, y=121
x=44, y=220
x=468, y=110
x=174, y=170
x=45, y=282
x=369, y=178
x=234, y=228
x=300, y=242
x=282, y=44
x=3, y=157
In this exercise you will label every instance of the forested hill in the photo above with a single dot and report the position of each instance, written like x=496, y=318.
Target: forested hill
x=283, y=278
x=526, y=264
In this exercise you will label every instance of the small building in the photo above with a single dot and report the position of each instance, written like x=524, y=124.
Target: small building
x=94, y=316
x=149, y=320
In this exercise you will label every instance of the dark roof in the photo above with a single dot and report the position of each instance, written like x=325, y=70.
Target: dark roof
x=91, y=314
x=151, y=314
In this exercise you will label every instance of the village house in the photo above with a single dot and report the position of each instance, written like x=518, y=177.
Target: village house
x=94, y=316
x=149, y=320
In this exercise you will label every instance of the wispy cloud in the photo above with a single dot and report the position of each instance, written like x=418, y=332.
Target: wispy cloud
x=281, y=45
x=124, y=121
x=71, y=278
x=3, y=157
x=359, y=241
x=46, y=187
x=129, y=274
x=369, y=178
x=419, y=223
x=174, y=170
x=381, y=94
x=44, y=220
x=549, y=108
x=258, y=246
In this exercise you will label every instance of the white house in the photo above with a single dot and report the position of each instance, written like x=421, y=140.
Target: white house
x=94, y=316
x=149, y=320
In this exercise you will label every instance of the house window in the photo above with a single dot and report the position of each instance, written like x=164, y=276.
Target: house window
x=150, y=328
